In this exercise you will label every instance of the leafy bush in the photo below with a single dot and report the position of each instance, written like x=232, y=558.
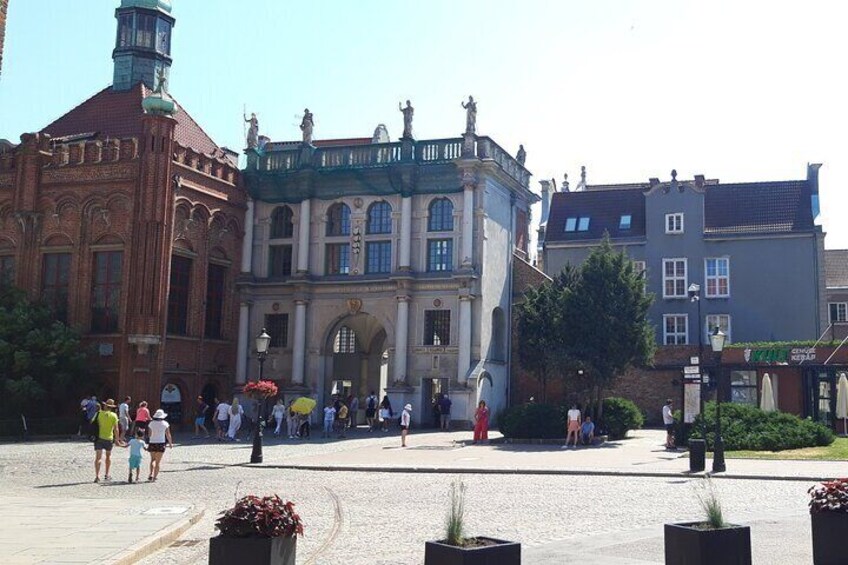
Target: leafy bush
x=747, y=427
x=255, y=517
x=621, y=415
x=532, y=421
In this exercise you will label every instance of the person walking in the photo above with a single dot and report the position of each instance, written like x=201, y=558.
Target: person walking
x=353, y=405
x=160, y=433
x=444, y=409
x=668, y=422
x=481, y=422
x=329, y=418
x=202, y=411
x=142, y=417
x=236, y=412
x=108, y=434
x=385, y=412
x=124, y=417
x=405, y=421
x=371, y=410
x=573, y=425
x=279, y=413
x=137, y=446
x=222, y=417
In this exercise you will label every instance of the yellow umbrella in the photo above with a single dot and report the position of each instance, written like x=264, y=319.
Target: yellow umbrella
x=842, y=400
x=767, y=396
x=303, y=405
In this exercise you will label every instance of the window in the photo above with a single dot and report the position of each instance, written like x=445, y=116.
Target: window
x=379, y=218
x=281, y=223
x=624, y=222
x=145, y=31
x=178, y=295
x=675, y=329
x=440, y=216
x=279, y=260
x=277, y=326
x=378, y=257
x=437, y=327
x=743, y=387
x=717, y=277
x=345, y=341
x=674, y=278
x=7, y=271
x=215, y=301
x=439, y=255
x=338, y=259
x=838, y=312
x=577, y=224
x=106, y=291
x=720, y=320
x=338, y=220
x=570, y=224
x=163, y=36
x=674, y=223
x=125, y=30
x=639, y=267
x=54, y=283
x=583, y=224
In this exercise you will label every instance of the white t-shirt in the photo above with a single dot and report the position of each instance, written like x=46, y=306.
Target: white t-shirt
x=222, y=411
x=404, y=418
x=279, y=411
x=668, y=417
x=574, y=415
x=124, y=410
x=157, y=431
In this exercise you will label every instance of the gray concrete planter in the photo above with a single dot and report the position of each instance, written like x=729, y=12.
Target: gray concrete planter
x=686, y=544
x=224, y=550
x=499, y=553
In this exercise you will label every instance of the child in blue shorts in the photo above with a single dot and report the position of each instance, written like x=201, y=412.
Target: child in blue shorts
x=136, y=446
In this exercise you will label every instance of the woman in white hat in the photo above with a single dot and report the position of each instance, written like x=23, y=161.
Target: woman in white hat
x=405, y=418
x=160, y=433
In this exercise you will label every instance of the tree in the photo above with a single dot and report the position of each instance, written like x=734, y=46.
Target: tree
x=42, y=362
x=607, y=312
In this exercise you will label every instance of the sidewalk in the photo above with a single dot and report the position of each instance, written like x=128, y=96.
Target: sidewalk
x=640, y=455
x=98, y=530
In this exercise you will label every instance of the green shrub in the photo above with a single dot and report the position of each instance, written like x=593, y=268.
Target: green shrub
x=746, y=427
x=532, y=421
x=621, y=415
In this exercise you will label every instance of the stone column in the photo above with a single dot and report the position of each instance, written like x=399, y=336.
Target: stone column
x=405, y=233
x=303, y=237
x=464, y=359
x=243, y=343
x=401, y=338
x=299, y=344
x=468, y=226
x=247, y=242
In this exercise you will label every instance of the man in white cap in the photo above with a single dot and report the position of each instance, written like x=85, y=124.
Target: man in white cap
x=405, y=418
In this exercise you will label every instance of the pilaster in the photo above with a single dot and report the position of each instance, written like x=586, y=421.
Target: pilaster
x=299, y=343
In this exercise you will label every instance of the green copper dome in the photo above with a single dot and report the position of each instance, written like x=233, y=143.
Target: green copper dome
x=163, y=5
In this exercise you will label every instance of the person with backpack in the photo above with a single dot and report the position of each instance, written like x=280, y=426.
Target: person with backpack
x=370, y=410
x=108, y=435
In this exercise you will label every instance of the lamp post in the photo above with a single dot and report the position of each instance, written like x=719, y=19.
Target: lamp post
x=694, y=291
x=717, y=338
x=263, y=340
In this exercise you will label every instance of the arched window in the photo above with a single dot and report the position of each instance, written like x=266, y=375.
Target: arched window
x=281, y=222
x=441, y=215
x=379, y=218
x=498, y=347
x=345, y=341
x=338, y=219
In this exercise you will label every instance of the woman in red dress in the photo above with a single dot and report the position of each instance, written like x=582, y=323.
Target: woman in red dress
x=481, y=422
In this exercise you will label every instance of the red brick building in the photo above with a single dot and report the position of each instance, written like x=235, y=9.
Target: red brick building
x=126, y=218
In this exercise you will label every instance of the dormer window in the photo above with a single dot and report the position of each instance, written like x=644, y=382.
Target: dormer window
x=624, y=222
x=583, y=224
x=674, y=223
x=577, y=224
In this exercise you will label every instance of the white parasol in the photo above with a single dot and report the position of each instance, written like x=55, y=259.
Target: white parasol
x=767, y=396
x=842, y=400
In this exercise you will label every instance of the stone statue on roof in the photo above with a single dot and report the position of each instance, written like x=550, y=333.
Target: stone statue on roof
x=521, y=156
x=470, y=115
x=252, y=131
x=407, y=119
x=306, y=126
x=565, y=183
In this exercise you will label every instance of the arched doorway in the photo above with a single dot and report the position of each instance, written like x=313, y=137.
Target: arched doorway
x=356, y=358
x=171, y=401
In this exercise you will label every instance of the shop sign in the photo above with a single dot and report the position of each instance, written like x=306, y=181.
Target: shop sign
x=780, y=355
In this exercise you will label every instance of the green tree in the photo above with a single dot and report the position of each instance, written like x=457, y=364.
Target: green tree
x=42, y=362
x=607, y=312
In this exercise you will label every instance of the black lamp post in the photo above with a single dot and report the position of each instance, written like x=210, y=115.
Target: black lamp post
x=263, y=340
x=694, y=291
x=717, y=338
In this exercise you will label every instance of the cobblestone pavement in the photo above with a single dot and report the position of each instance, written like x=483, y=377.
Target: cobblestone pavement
x=385, y=518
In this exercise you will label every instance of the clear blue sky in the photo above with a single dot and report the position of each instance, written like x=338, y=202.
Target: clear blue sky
x=740, y=91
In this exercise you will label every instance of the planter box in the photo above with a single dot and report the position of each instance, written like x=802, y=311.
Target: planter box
x=225, y=550
x=501, y=553
x=830, y=530
x=685, y=544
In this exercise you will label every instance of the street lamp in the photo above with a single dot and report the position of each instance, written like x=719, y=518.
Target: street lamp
x=263, y=340
x=694, y=291
x=717, y=339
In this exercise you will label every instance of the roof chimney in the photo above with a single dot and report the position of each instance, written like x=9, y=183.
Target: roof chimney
x=546, y=200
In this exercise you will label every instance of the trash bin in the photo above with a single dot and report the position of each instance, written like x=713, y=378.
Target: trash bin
x=697, y=455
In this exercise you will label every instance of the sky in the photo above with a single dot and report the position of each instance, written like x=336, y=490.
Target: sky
x=738, y=91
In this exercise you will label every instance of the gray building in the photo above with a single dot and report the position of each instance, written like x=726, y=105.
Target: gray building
x=753, y=249
x=836, y=267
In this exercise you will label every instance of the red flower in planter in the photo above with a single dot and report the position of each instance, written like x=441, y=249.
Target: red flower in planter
x=829, y=496
x=266, y=517
x=260, y=389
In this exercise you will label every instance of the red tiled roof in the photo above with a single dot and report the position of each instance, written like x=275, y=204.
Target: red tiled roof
x=114, y=114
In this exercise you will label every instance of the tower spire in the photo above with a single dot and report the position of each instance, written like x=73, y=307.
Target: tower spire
x=143, y=45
